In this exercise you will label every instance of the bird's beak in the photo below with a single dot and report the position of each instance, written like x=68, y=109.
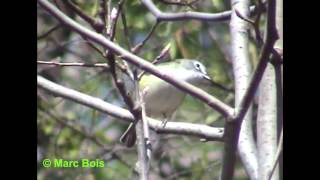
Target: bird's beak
x=212, y=83
x=207, y=77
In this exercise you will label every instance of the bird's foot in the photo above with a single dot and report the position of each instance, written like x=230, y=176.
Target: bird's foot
x=164, y=122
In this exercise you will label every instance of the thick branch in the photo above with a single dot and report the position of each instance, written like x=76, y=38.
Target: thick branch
x=198, y=130
x=143, y=64
x=233, y=128
x=271, y=37
x=277, y=155
x=267, y=124
x=242, y=70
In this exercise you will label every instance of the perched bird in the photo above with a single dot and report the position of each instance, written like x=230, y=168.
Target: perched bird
x=163, y=99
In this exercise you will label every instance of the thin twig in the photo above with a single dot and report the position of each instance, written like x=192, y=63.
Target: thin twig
x=49, y=32
x=163, y=52
x=102, y=54
x=103, y=65
x=179, y=3
x=125, y=28
x=244, y=18
x=103, y=11
x=114, y=19
x=254, y=23
x=137, y=48
x=94, y=23
x=162, y=16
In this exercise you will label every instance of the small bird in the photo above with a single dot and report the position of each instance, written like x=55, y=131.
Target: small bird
x=163, y=99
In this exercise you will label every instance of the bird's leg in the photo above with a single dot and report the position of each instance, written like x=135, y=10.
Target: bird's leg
x=165, y=120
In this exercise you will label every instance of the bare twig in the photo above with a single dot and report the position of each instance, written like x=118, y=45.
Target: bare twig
x=161, y=16
x=254, y=23
x=137, y=48
x=243, y=18
x=157, y=59
x=49, y=32
x=114, y=15
x=94, y=23
x=103, y=65
x=179, y=3
x=103, y=12
x=125, y=28
x=163, y=52
x=102, y=54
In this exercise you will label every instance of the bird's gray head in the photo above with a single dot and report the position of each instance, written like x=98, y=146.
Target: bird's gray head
x=198, y=71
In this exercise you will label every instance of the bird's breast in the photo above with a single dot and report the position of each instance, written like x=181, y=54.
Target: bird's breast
x=163, y=101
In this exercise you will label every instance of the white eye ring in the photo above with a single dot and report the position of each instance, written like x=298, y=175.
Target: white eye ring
x=198, y=66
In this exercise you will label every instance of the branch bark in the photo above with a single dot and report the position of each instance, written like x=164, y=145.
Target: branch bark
x=232, y=128
x=267, y=124
x=242, y=70
x=198, y=130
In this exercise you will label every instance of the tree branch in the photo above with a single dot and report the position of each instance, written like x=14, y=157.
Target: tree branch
x=137, y=48
x=267, y=123
x=48, y=32
x=103, y=65
x=242, y=70
x=179, y=3
x=161, y=16
x=143, y=159
x=143, y=64
x=94, y=23
x=232, y=128
x=271, y=37
x=198, y=130
x=277, y=155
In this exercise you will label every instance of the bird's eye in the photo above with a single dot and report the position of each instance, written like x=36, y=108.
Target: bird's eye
x=198, y=66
